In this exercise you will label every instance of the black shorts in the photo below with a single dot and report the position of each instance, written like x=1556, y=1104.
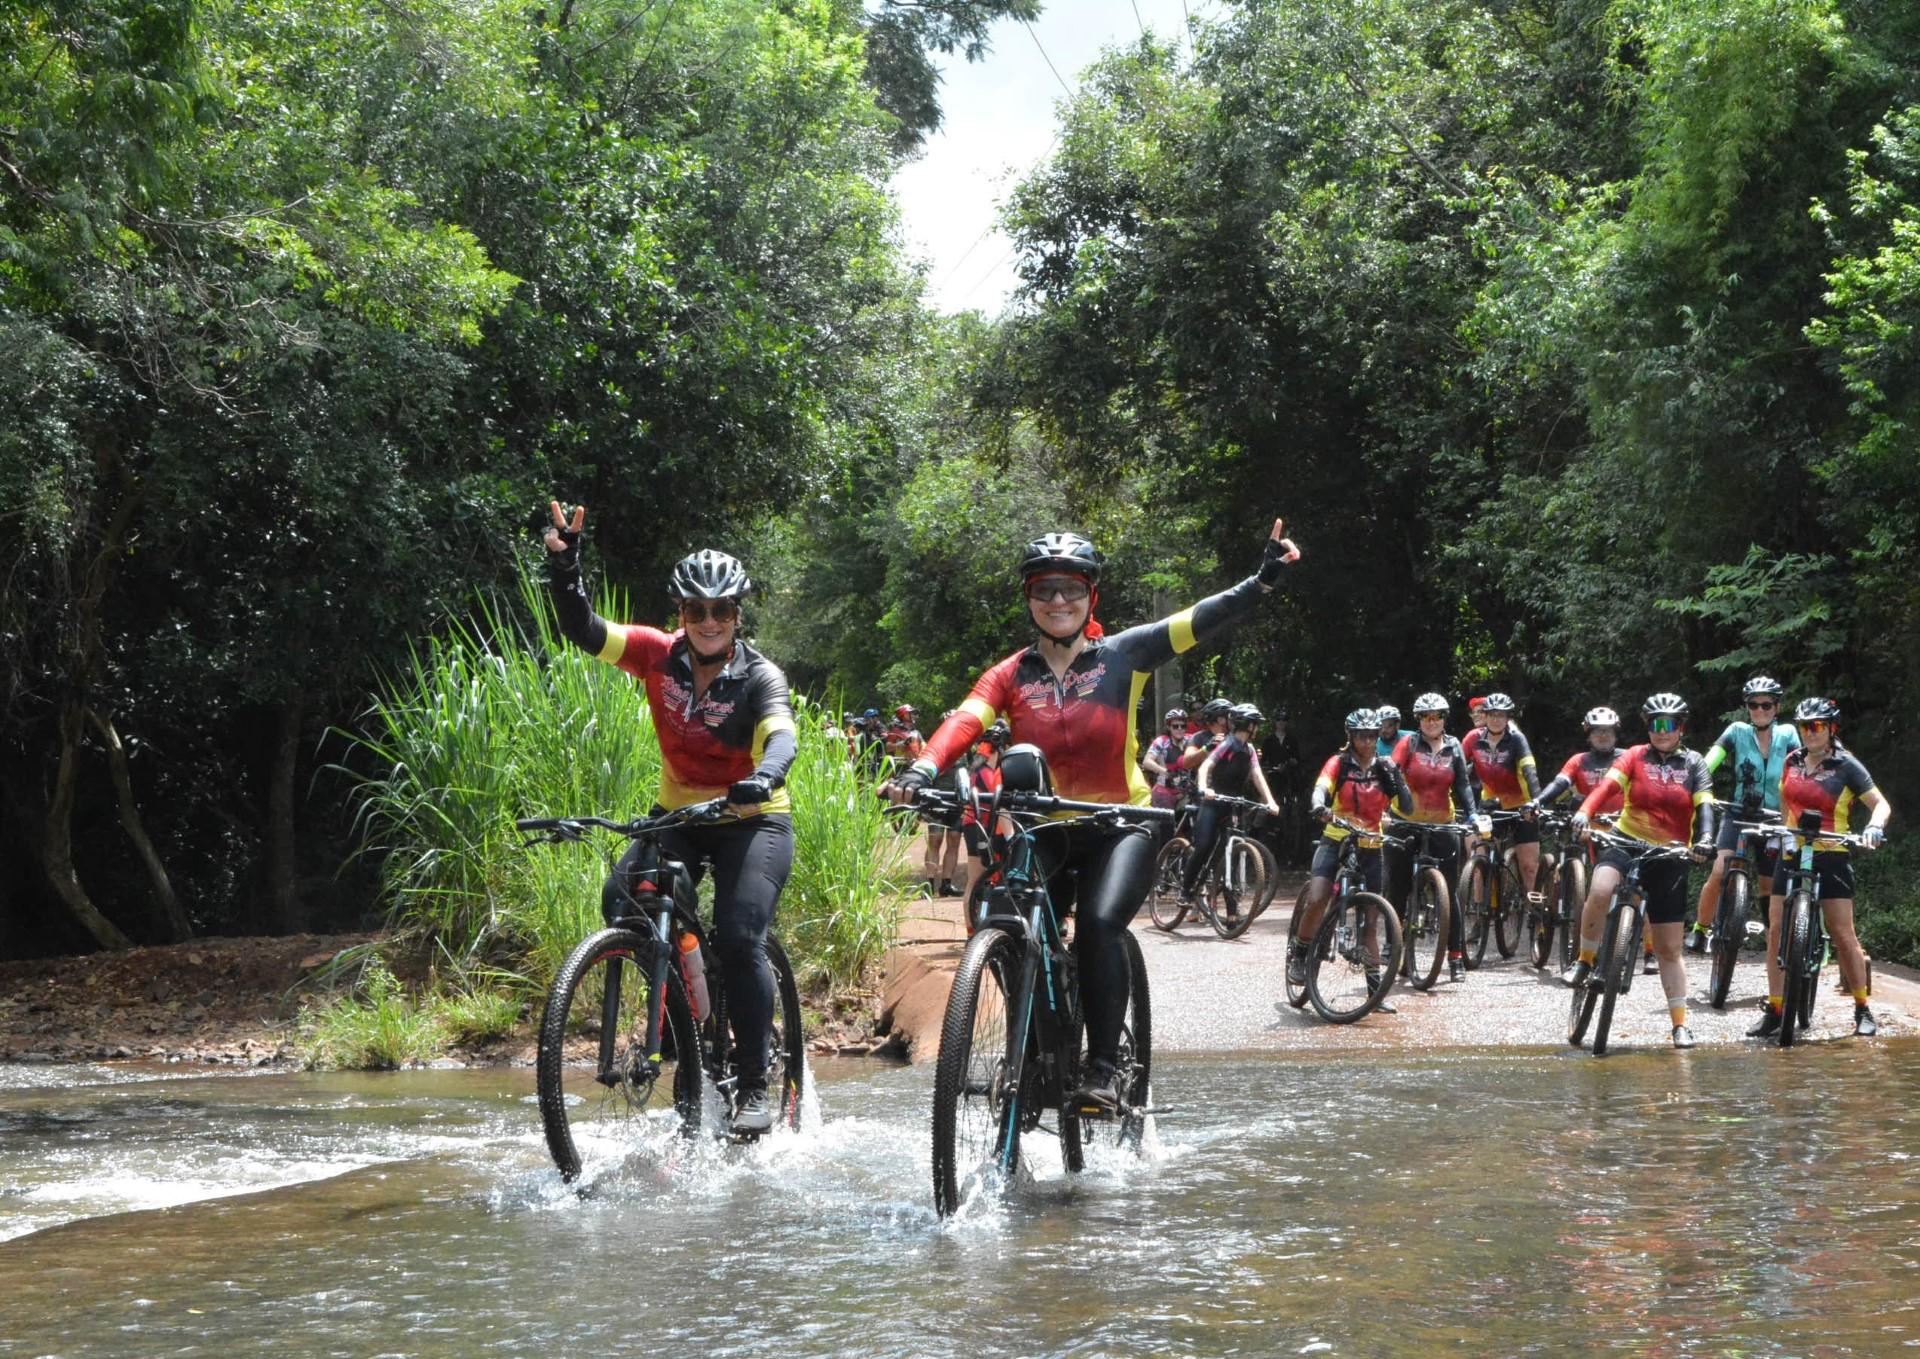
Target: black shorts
x=1832, y=877
x=1663, y=885
x=1521, y=832
x=1729, y=838
x=1326, y=862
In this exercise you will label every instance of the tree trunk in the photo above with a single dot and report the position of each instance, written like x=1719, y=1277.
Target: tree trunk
x=56, y=845
x=178, y=928
x=283, y=905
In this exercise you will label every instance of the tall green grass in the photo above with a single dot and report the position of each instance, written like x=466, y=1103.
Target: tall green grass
x=499, y=718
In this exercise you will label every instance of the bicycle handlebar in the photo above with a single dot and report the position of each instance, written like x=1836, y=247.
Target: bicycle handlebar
x=1640, y=849
x=564, y=829
x=1034, y=804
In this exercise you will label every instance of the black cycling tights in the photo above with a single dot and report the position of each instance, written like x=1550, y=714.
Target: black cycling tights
x=1104, y=875
x=751, y=861
x=1399, y=860
x=1207, y=824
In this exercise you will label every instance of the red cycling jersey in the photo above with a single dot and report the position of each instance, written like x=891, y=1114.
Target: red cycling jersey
x=1587, y=770
x=1504, y=767
x=1083, y=721
x=1437, y=778
x=1361, y=796
x=1660, y=794
x=1830, y=788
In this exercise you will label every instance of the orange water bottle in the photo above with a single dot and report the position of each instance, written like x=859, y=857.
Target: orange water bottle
x=693, y=971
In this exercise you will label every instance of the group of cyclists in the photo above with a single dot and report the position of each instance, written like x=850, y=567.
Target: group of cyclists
x=722, y=714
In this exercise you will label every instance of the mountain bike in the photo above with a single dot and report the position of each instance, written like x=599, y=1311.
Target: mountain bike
x=1355, y=951
x=1803, y=926
x=1496, y=895
x=1430, y=903
x=626, y=1031
x=1736, y=924
x=1559, y=889
x=1012, y=1043
x=1239, y=880
x=1618, y=961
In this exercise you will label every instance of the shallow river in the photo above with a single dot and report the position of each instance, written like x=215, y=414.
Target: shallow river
x=1723, y=1202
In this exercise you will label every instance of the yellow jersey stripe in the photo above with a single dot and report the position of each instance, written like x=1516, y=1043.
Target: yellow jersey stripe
x=1138, y=793
x=616, y=644
x=981, y=710
x=1180, y=631
x=768, y=726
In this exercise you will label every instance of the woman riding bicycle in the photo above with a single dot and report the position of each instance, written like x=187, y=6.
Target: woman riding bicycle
x=1666, y=796
x=1231, y=769
x=1171, y=783
x=1072, y=694
x=1356, y=784
x=1823, y=776
x=1502, y=763
x=725, y=726
x=1436, y=772
x=1759, y=748
x=1586, y=770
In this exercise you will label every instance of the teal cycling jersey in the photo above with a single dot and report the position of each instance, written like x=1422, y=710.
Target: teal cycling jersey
x=1755, y=777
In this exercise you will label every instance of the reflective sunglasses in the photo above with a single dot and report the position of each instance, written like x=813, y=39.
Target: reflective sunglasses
x=1761, y=705
x=1815, y=725
x=1660, y=726
x=1057, y=587
x=699, y=611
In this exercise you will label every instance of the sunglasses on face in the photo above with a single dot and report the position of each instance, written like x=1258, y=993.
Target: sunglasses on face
x=699, y=611
x=1041, y=591
x=1177, y=726
x=1816, y=726
x=1660, y=726
x=1761, y=705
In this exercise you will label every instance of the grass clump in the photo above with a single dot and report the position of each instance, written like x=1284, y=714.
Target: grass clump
x=1887, y=908
x=374, y=1028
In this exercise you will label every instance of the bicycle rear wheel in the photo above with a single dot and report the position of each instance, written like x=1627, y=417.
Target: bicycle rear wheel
x=1619, y=973
x=1570, y=896
x=1729, y=933
x=1509, y=911
x=596, y=1085
x=1241, y=877
x=1425, y=928
x=1474, y=897
x=787, y=1047
x=1543, y=917
x=976, y=1121
x=1297, y=991
x=1165, y=901
x=1270, y=864
x=1134, y=1081
x=1797, y=922
x=1355, y=958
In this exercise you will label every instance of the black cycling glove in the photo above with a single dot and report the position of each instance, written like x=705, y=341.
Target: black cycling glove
x=1277, y=557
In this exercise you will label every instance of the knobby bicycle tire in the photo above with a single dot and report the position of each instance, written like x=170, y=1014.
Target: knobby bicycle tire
x=1570, y=900
x=1296, y=991
x=1164, y=899
x=1543, y=918
x=1358, y=938
x=1585, y=996
x=1797, y=922
x=1729, y=934
x=1425, y=929
x=1474, y=898
x=975, y=1112
x=1509, y=911
x=787, y=1050
x=604, y=1094
x=1619, y=976
x=1135, y=1079
x=1271, y=865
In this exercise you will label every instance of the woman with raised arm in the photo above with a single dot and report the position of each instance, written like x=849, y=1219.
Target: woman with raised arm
x=1073, y=693
x=725, y=726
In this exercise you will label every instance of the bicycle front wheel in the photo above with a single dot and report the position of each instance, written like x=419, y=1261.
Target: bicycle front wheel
x=976, y=1121
x=1541, y=915
x=1425, y=928
x=596, y=1081
x=1797, y=925
x=1474, y=896
x=1619, y=974
x=1510, y=911
x=1241, y=876
x=1355, y=958
x=1729, y=933
x=1584, y=997
x=1165, y=901
x=787, y=1044
x=1570, y=896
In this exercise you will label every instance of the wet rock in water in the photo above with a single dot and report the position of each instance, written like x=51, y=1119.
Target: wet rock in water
x=38, y=1058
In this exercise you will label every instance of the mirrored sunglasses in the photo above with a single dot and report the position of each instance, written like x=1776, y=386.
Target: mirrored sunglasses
x=700, y=610
x=1057, y=587
x=1660, y=726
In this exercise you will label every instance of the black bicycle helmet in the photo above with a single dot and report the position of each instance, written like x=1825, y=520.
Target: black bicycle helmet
x=1602, y=716
x=707, y=574
x=1365, y=721
x=1817, y=710
x=1498, y=703
x=1214, y=709
x=1243, y=715
x=1430, y=703
x=1060, y=552
x=1763, y=686
x=1023, y=769
x=1664, y=705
